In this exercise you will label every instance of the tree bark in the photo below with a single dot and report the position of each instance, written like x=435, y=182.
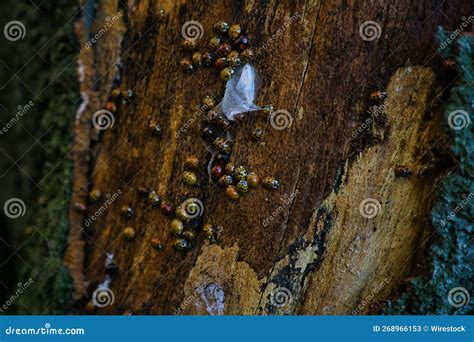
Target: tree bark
x=306, y=248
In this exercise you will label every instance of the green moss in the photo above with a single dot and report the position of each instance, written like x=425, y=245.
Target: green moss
x=452, y=254
x=51, y=82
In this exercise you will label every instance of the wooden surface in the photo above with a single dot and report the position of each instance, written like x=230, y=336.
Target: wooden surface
x=319, y=247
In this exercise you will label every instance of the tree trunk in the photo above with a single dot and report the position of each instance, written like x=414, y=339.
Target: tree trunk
x=351, y=219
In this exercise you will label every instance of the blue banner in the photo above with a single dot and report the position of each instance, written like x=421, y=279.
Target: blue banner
x=241, y=328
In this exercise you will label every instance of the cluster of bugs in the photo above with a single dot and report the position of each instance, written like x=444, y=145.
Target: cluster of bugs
x=228, y=49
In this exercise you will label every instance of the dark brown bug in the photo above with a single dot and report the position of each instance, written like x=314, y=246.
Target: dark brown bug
x=186, y=65
x=221, y=122
x=402, y=171
x=143, y=190
x=154, y=127
x=241, y=43
x=189, y=235
x=181, y=244
x=224, y=49
x=207, y=59
x=167, y=208
x=220, y=63
x=126, y=211
x=223, y=158
x=157, y=244
x=209, y=134
x=378, y=96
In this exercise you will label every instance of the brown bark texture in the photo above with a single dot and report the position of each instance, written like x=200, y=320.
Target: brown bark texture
x=307, y=248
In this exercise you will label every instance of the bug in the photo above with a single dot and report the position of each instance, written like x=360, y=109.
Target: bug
x=222, y=145
x=226, y=74
x=126, y=211
x=223, y=158
x=232, y=193
x=166, y=208
x=242, y=186
x=214, y=43
x=157, y=244
x=271, y=183
x=207, y=59
x=153, y=198
x=224, y=49
x=177, y=226
x=186, y=65
x=217, y=171
x=189, y=177
x=229, y=168
x=402, y=171
x=233, y=61
x=253, y=180
x=247, y=55
x=129, y=233
x=111, y=106
x=209, y=134
x=212, y=232
x=220, y=63
x=234, y=31
x=221, y=27
x=378, y=95
x=180, y=212
x=240, y=173
x=208, y=102
x=225, y=180
x=143, y=190
x=154, y=127
x=95, y=194
x=241, y=43
x=189, y=44
x=189, y=235
x=181, y=244
x=197, y=59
